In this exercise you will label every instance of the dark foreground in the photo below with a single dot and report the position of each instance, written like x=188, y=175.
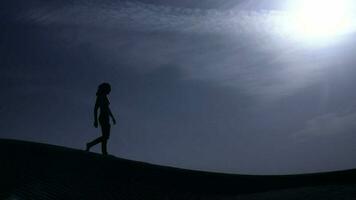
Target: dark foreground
x=38, y=171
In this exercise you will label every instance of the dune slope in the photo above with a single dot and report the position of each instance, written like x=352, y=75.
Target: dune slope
x=38, y=171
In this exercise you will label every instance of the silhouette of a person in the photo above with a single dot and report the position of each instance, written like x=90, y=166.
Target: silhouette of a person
x=102, y=103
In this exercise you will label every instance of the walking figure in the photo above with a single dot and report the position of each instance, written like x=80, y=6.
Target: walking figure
x=102, y=103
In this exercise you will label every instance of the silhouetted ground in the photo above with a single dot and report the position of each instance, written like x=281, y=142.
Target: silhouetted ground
x=38, y=171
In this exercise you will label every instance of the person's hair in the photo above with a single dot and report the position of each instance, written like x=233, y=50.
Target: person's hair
x=103, y=89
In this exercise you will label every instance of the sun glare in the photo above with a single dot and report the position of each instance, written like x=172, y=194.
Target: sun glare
x=321, y=19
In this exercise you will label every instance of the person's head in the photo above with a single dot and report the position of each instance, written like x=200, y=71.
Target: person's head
x=103, y=89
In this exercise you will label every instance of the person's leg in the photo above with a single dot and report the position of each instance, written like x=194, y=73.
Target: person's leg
x=106, y=135
x=104, y=147
x=94, y=142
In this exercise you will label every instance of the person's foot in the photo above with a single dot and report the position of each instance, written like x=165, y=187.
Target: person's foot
x=87, y=147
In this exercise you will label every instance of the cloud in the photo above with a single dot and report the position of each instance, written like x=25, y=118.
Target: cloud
x=149, y=17
x=255, y=53
x=334, y=123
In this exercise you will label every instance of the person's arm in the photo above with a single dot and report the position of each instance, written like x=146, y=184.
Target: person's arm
x=96, y=107
x=112, y=116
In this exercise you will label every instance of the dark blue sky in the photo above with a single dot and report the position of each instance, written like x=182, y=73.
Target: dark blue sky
x=209, y=86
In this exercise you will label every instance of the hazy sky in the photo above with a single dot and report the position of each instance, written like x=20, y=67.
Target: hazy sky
x=210, y=85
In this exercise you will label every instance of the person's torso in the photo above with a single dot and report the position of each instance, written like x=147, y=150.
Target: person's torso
x=104, y=107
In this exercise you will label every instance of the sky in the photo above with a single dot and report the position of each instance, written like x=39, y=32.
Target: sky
x=221, y=86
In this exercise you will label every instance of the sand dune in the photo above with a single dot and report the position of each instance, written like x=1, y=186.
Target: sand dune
x=39, y=171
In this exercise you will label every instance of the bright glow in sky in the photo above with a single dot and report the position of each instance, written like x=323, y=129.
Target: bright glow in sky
x=317, y=20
